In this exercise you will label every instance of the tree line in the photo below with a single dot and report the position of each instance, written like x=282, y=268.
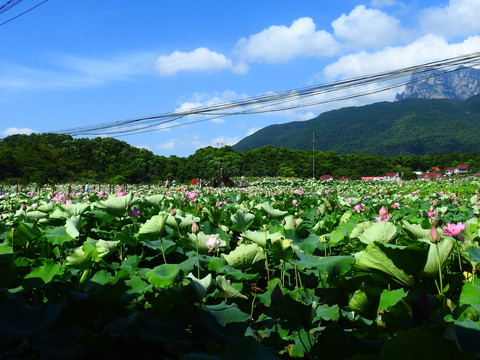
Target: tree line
x=53, y=158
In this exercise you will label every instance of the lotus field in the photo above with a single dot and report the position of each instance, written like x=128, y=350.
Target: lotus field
x=284, y=269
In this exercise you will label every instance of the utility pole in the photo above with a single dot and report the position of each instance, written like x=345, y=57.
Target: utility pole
x=313, y=156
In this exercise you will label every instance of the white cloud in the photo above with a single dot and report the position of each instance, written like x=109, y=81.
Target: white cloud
x=280, y=43
x=460, y=17
x=252, y=130
x=425, y=49
x=201, y=59
x=169, y=145
x=14, y=130
x=367, y=28
x=225, y=141
x=146, y=147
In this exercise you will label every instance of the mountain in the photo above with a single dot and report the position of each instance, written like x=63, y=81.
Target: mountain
x=459, y=84
x=411, y=126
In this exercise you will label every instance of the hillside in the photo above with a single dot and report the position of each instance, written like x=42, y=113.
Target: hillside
x=407, y=127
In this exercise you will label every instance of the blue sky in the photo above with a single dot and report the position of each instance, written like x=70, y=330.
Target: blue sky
x=69, y=64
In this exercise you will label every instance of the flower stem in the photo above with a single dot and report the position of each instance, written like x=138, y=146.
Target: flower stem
x=440, y=291
x=198, y=261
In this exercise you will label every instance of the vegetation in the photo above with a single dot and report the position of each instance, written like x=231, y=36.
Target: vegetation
x=279, y=270
x=408, y=127
x=54, y=159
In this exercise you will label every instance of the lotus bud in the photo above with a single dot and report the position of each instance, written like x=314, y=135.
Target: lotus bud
x=277, y=296
x=173, y=212
x=434, y=235
x=195, y=228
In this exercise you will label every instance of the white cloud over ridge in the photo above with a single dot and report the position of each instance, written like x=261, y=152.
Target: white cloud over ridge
x=279, y=44
x=14, y=131
x=367, y=28
x=460, y=17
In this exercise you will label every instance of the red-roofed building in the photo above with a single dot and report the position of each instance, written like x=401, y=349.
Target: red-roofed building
x=450, y=171
x=391, y=176
x=463, y=169
x=431, y=176
x=343, y=179
x=326, y=177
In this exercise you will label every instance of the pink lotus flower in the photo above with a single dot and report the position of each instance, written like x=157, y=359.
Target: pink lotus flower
x=294, y=202
x=396, y=205
x=192, y=195
x=434, y=235
x=212, y=243
x=357, y=208
x=453, y=229
x=431, y=214
x=384, y=215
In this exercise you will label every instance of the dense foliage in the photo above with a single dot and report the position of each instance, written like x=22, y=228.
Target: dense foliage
x=407, y=127
x=51, y=158
x=359, y=270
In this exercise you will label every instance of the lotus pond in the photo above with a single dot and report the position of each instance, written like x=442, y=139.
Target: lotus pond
x=286, y=269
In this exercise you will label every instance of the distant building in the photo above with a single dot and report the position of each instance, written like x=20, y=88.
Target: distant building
x=391, y=176
x=431, y=176
x=463, y=169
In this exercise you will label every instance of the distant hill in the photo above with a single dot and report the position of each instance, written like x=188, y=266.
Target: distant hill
x=410, y=126
x=459, y=84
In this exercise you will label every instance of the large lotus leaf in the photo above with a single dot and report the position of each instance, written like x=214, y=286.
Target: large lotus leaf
x=268, y=208
x=282, y=249
x=72, y=226
x=360, y=228
x=153, y=227
x=466, y=334
x=182, y=224
x=105, y=247
x=215, y=214
x=226, y=314
x=58, y=235
x=46, y=208
x=258, y=237
x=25, y=233
x=226, y=288
x=415, y=230
x=327, y=313
x=389, y=298
x=75, y=209
x=241, y=220
x=445, y=247
x=78, y=257
x=155, y=199
x=35, y=215
x=118, y=206
x=190, y=242
x=365, y=303
x=291, y=222
x=245, y=256
x=331, y=265
x=470, y=294
x=383, y=231
x=402, y=263
x=59, y=214
x=201, y=286
x=427, y=343
x=336, y=237
x=46, y=272
x=163, y=275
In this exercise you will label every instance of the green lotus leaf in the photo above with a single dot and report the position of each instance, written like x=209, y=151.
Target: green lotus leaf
x=360, y=228
x=327, y=313
x=46, y=208
x=445, y=247
x=35, y=215
x=241, y=220
x=365, y=303
x=163, y=275
x=383, y=231
x=75, y=209
x=59, y=214
x=291, y=222
x=226, y=288
x=72, y=226
x=153, y=227
x=270, y=210
x=415, y=230
x=118, y=206
x=78, y=257
x=227, y=314
x=105, y=247
x=470, y=294
x=402, y=263
x=46, y=272
x=155, y=199
x=201, y=286
x=245, y=256
x=282, y=249
x=58, y=235
x=389, y=298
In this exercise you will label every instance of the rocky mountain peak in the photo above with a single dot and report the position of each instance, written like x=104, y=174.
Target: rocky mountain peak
x=462, y=83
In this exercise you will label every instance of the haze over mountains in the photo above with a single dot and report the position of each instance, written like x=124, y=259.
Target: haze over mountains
x=440, y=114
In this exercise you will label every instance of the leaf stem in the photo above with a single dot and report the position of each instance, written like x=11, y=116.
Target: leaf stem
x=440, y=292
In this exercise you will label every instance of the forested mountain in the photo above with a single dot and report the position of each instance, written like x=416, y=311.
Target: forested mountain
x=406, y=127
x=51, y=158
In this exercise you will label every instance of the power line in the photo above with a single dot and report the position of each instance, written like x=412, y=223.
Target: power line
x=280, y=101
x=9, y=4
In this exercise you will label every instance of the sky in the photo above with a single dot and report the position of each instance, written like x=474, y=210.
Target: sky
x=68, y=64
